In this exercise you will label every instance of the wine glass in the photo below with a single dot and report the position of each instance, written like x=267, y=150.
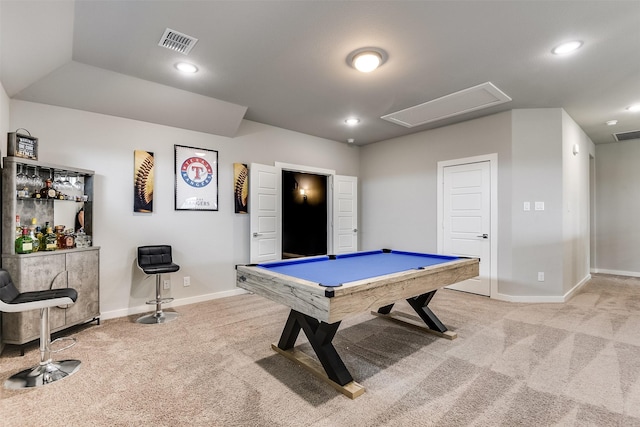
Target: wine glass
x=65, y=183
x=78, y=184
x=22, y=181
x=36, y=180
x=57, y=181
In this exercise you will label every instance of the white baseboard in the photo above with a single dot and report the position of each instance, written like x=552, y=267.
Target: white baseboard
x=576, y=288
x=616, y=272
x=542, y=298
x=113, y=314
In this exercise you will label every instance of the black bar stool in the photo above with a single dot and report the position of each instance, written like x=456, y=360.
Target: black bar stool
x=156, y=259
x=12, y=301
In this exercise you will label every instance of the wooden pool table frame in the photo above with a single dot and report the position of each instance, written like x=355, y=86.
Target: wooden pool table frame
x=318, y=310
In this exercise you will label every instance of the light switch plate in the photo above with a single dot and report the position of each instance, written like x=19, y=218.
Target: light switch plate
x=539, y=206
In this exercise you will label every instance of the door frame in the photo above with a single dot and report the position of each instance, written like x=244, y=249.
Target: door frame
x=493, y=171
x=316, y=171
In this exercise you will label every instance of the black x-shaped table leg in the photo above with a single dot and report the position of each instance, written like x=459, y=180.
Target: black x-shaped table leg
x=419, y=304
x=320, y=335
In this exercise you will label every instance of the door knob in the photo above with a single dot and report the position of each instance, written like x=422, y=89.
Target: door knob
x=484, y=236
x=355, y=230
x=256, y=234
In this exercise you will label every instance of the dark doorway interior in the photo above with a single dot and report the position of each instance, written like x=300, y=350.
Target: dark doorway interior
x=304, y=214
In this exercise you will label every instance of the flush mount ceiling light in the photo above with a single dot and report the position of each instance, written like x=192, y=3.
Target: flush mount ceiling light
x=367, y=59
x=633, y=108
x=611, y=122
x=352, y=121
x=185, y=67
x=566, y=48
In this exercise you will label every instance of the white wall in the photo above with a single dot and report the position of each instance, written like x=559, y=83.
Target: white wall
x=617, y=207
x=207, y=245
x=576, y=202
x=398, y=184
x=537, y=177
x=398, y=193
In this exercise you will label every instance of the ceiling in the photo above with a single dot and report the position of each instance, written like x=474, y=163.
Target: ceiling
x=283, y=63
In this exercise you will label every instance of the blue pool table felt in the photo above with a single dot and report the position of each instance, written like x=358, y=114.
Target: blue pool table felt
x=355, y=266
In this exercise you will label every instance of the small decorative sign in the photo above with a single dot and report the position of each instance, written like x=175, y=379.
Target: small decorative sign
x=196, y=175
x=20, y=145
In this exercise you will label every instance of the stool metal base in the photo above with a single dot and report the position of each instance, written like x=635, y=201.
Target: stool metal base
x=43, y=374
x=162, y=317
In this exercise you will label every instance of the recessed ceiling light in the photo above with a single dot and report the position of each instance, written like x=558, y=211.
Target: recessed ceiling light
x=367, y=59
x=352, y=121
x=634, y=108
x=566, y=48
x=185, y=67
x=611, y=122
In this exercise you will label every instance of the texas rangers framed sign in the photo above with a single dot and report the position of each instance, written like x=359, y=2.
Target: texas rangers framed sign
x=196, y=177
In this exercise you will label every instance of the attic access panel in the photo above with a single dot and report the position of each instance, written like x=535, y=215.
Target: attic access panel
x=474, y=98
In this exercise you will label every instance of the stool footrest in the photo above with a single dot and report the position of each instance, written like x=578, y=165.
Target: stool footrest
x=73, y=342
x=159, y=301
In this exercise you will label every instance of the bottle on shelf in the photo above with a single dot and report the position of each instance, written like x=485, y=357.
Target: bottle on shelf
x=50, y=239
x=43, y=233
x=69, y=239
x=18, y=227
x=59, y=230
x=40, y=237
x=48, y=192
x=24, y=244
x=32, y=233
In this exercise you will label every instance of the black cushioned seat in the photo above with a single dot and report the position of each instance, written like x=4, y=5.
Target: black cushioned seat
x=13, y=301
x=157, y=260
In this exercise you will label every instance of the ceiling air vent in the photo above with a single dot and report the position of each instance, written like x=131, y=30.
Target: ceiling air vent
x=626, y=136
x=177, y=41
x=474, y=98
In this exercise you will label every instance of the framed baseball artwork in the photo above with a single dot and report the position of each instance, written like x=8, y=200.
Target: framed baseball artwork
x=143, y=168
x=196, y=177
x=241, y=188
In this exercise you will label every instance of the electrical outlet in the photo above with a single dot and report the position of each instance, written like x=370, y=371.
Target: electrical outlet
x=187, y=281
x=167, y=284
x=540, y=276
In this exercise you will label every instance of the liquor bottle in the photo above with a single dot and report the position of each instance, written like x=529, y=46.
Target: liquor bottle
x=69, y=240
x=40, y=237
x=60, y=236
x=48, y=192
x=18, y=227
x=50, y=240
x=43, y=231
x=35, y=242
x=24, y=244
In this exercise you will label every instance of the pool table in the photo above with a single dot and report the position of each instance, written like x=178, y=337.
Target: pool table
x=321, y=291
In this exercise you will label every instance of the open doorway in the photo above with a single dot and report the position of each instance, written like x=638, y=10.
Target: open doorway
x=304, y=214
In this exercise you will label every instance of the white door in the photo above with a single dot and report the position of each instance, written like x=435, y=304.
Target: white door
x=265, y=212
x=467, y=220
x=345, y=214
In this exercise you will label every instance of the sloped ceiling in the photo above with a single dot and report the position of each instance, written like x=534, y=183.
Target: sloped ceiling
x=283, y=63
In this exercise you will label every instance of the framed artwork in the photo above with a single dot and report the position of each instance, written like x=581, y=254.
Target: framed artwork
x=143, y=169
x=196, y=177
x=241, y=188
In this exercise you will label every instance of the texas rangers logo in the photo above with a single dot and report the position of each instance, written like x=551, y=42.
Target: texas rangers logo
x=196, y=172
